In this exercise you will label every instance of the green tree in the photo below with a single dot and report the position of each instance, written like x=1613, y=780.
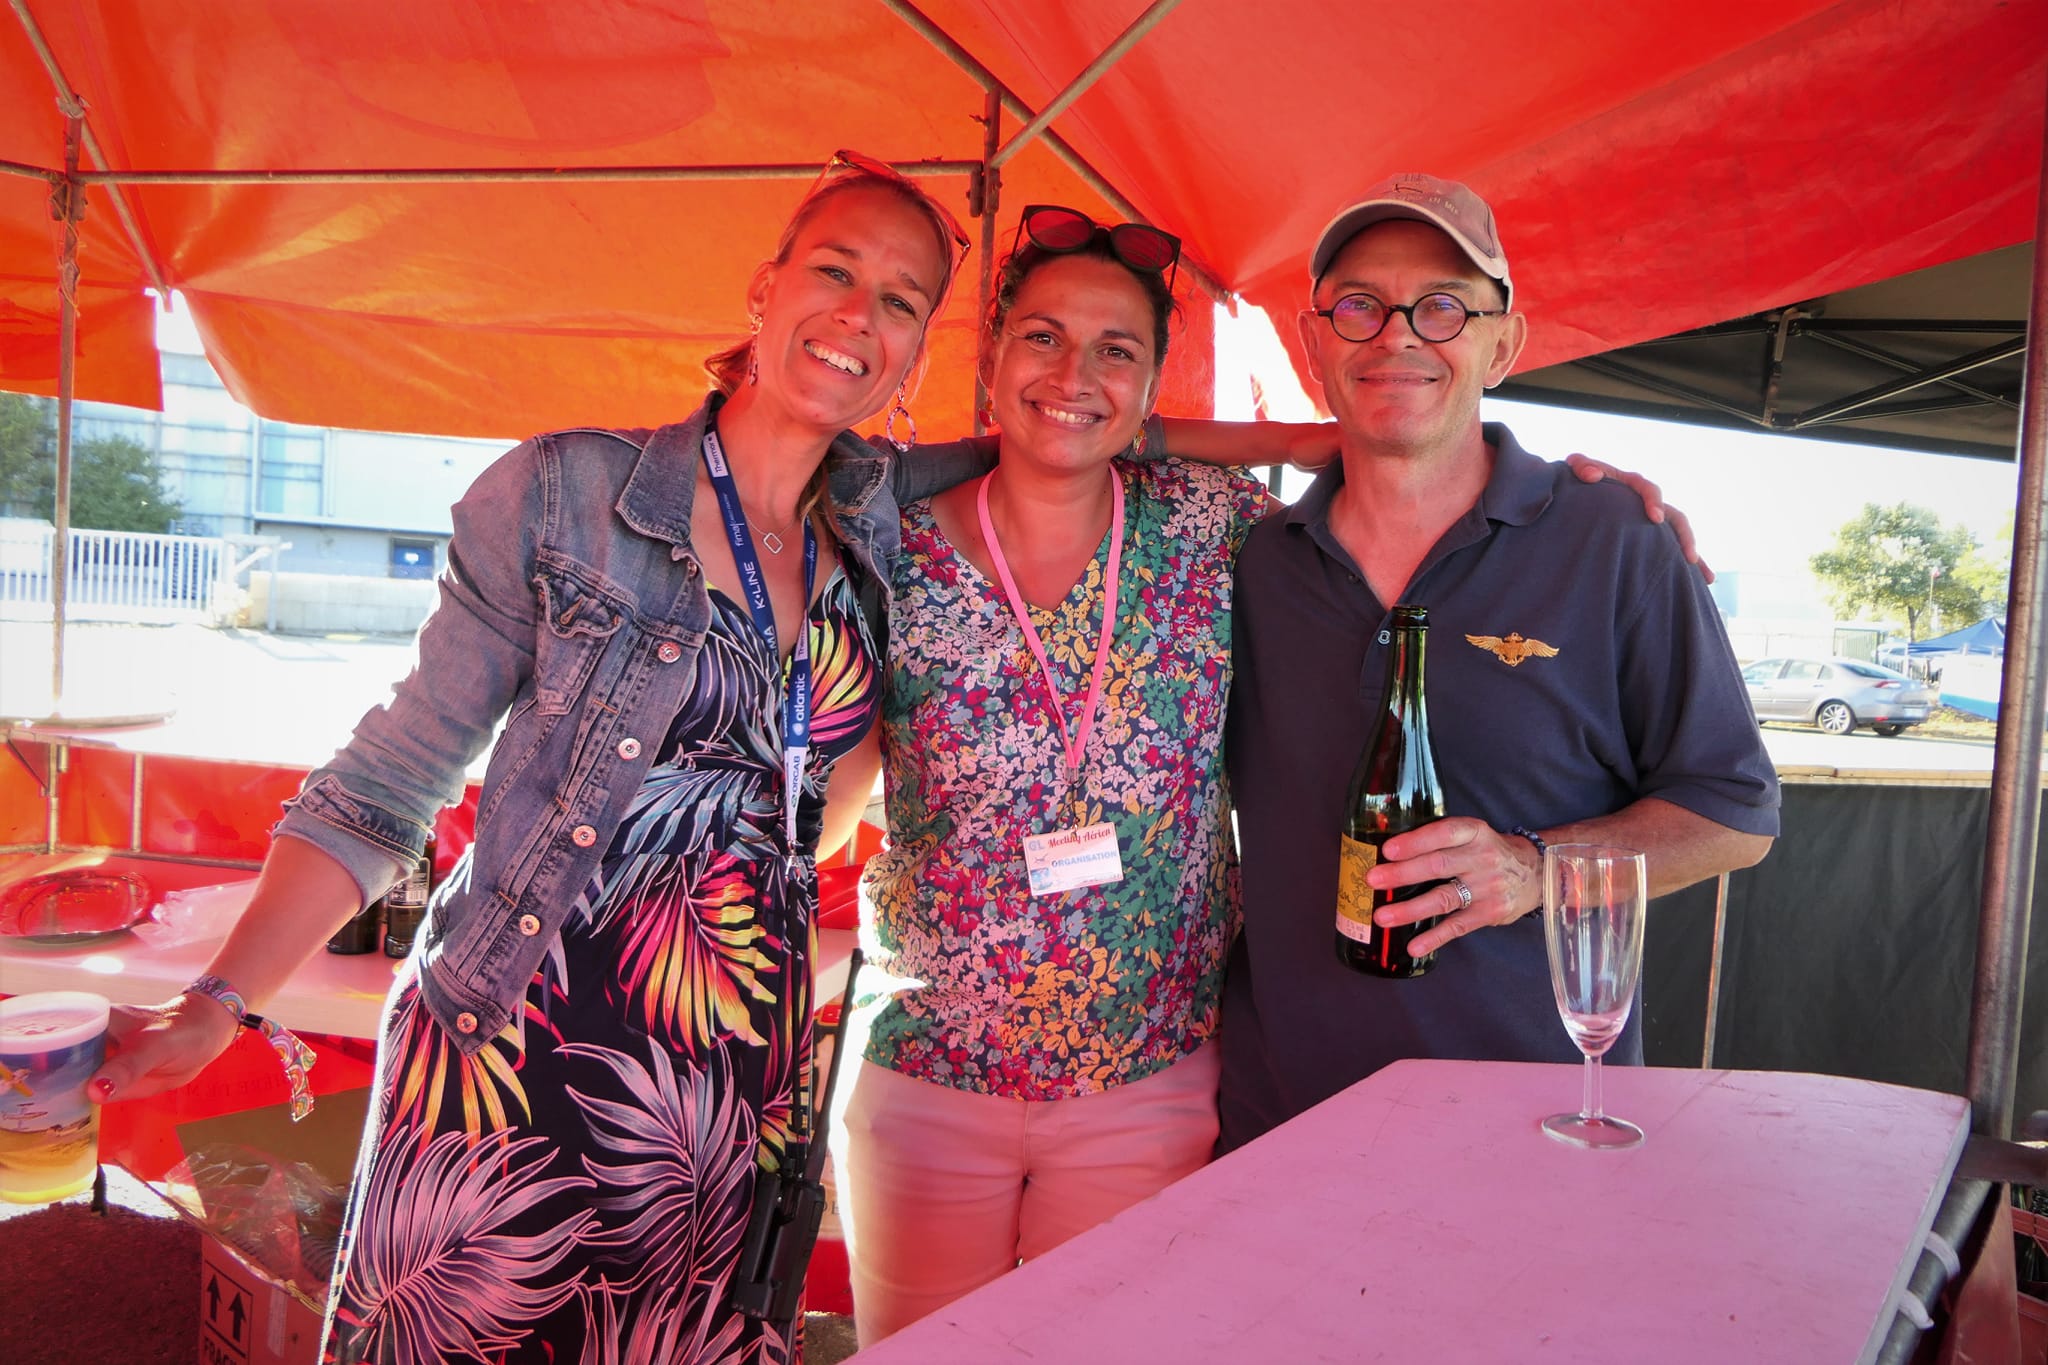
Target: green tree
x=1989, y=569
x=116, y=483
x=1899, y=561
x=28, y=451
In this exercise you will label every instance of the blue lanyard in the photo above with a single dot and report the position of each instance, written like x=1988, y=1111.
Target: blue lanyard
x=796, y=705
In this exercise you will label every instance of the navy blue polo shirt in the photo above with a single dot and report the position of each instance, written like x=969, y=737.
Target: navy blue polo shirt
x=1642, y=698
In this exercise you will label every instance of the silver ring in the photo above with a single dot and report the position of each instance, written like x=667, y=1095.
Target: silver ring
x=1464, y=893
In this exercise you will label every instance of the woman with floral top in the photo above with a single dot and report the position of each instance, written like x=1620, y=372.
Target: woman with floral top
x=1059, y=660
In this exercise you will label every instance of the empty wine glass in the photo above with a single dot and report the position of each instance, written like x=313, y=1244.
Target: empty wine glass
x=1593, y=901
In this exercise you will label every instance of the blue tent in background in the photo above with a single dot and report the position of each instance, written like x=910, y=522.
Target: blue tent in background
x=1986, y=637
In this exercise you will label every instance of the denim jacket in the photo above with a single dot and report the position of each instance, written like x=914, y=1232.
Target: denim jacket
x=574, y=606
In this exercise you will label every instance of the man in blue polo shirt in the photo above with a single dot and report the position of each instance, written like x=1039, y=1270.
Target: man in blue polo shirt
x=1630, y=727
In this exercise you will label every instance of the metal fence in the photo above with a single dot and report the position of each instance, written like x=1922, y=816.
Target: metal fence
x=117, y=575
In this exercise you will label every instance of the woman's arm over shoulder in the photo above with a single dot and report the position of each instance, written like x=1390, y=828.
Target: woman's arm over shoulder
x=370, y=806
x=1590, y=470
x=1304, y=445
x=932, y=467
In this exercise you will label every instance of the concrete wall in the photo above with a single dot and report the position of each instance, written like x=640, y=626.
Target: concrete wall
x=331, y=604
x=343, y=550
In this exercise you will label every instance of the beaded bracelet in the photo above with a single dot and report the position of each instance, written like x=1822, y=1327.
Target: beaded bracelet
x=1533, y=837
x=292, y=1052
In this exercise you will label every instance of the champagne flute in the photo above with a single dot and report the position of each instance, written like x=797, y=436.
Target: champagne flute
x=1593, y=902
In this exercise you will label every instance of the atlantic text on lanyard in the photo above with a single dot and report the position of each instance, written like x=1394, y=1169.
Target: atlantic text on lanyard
x=1067, y=859
x=796, y=706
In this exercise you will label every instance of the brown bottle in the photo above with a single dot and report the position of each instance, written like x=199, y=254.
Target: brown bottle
x=1394, y=790
x=405, y=904
x=362, y=931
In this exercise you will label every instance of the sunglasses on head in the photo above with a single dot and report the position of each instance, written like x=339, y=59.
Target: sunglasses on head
x=1058, y=230
x=844, y=161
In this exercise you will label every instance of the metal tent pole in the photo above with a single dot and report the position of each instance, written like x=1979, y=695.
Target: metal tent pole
x=67, y=205
x=1077, y=87
x=490, y=175
x=2015, y=818
x=922, y=25
x=68, y=99
x=986, y=201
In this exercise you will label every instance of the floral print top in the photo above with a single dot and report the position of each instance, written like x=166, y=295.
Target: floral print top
x=974, y=983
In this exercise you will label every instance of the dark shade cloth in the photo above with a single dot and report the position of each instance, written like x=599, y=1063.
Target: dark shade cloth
x=1641, y=698
x=1850, y=950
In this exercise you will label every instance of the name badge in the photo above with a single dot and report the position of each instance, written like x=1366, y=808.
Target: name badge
x=1069, y=859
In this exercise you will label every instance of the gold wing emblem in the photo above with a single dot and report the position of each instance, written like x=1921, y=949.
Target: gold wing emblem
x=1512, y=648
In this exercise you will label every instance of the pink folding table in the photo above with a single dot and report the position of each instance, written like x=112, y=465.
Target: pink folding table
x=1422, y=1216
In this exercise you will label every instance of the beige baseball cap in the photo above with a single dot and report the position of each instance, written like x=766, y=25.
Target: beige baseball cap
x=1447, y=204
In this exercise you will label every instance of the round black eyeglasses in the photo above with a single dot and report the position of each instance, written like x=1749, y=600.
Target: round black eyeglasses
x=1433, y=317
x=1056, y=229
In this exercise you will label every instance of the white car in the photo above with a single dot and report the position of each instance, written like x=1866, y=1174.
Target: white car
x=1837, y=694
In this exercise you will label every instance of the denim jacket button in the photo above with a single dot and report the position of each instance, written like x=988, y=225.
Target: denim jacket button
x=669, y=652
x=583, y=836
x=529, y=925
x=629, y=748
x=465, y=1022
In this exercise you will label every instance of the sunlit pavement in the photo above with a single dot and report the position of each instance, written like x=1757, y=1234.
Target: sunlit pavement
x=1795, y=747
x=239, y=694
x=292, y=699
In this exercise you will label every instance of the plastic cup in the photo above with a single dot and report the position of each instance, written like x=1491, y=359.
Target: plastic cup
x=50, y=1045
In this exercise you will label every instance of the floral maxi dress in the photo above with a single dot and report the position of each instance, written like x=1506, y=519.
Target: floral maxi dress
x=576, y=1192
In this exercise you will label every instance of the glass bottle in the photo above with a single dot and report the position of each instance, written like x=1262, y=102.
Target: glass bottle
x=1394, y=790
x=405, y=904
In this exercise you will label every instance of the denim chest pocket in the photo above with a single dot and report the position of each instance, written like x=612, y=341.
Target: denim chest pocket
x=577, y=618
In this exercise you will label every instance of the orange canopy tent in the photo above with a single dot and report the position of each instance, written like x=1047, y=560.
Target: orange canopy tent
x=497, y=216
x=1655, y=168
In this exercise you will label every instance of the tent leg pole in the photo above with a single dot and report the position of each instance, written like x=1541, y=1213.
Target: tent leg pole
x=2015, y=817
x=991, y=180
x=1714, y=971
x=67, y=205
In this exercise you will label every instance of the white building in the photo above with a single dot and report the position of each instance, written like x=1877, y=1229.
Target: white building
x=364, y=503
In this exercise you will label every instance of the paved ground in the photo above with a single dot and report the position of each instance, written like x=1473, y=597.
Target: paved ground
x=293, y=698
x=229, y=693
x=1796, y=746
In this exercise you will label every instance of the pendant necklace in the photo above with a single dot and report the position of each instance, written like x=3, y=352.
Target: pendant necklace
x=770, y=542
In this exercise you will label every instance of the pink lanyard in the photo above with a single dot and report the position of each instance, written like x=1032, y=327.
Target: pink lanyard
x=1076, y=740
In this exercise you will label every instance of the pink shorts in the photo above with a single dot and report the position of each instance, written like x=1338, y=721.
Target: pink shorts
x=943, y=1190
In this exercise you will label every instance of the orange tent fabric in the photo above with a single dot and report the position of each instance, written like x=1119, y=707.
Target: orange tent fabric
x=1653, y=168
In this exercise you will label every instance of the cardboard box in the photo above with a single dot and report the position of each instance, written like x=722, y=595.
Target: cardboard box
x=248, y=1318
x=247, y=1315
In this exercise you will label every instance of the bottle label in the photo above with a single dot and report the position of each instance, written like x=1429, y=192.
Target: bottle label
x=410, y=891
x=1354, y=897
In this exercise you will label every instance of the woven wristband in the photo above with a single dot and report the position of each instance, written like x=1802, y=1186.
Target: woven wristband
x=292, y=1052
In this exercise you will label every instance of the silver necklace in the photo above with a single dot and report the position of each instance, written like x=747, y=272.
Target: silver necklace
x=770, y=541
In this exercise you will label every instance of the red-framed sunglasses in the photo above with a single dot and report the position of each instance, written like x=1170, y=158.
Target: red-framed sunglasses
x=1057, y=229
x=845, y=160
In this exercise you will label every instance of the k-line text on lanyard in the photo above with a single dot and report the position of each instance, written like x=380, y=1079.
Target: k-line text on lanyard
x=796, y=703
x=1067, y=860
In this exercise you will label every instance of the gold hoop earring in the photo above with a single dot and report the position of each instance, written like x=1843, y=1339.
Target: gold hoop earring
x=900, y=406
